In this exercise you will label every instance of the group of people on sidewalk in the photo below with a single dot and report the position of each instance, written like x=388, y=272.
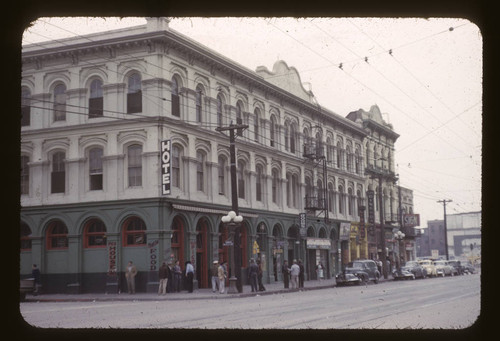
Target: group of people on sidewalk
x=170, y=277
x=295, y=274
x=219, y=275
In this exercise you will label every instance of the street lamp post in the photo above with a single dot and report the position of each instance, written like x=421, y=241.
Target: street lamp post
x=232, y=221
x=399, y=236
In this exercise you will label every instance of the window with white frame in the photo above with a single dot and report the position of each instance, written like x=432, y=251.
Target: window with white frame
x=96, y=100
x=134, y=159
x=134, y=94
x=176, y=166
x=95, y=169
x=60, y=98
x=58, y=174
x=25, y=174
x=176, y=107
x=200, y=171
x=25, y=106
x=222, y=175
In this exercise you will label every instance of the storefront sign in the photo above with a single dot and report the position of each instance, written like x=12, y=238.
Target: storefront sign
x=166, y=167
x=345, y=229
x=112, y=258
x=411, y=220
x=153, y=255
x=318, y=243
x=303, y=222
x=371, y=207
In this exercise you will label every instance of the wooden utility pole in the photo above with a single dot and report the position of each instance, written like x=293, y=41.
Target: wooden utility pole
x=444, y=201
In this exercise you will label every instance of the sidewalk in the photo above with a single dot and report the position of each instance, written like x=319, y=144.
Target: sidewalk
x=205, y=293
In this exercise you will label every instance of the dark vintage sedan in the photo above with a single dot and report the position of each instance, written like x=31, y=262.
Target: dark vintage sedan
x=366, y=270
x=415, y=268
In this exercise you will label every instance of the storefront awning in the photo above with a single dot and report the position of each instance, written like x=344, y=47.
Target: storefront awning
x=210, y=210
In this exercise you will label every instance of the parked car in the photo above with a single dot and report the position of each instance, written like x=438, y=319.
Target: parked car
x=457, y=267
x=347, y=279
x=365, y=269
x=402, y=274
x=26, y=286
x=416, y=269
x=443, y=268
x=429, y=267
x=468, y=268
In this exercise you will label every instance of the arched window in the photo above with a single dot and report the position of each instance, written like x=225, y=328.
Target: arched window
x=256, y=124
x=134, y=94
x=94, y=234
x=200, y=171
x=176, y=106
x=222, y=175
x=293, y=136
x=60, y=102
x=58, y=175
x=25, y=106
x=96, y=99
x=220, y=105
x=295, y=190
x=340, y=152
x=241, y=179
x=176, y=166
x=350, y=201
x=25, y=237
x=25, y=174
x=349, y=159
x=239, y=117
x=286, y=136
x=134, y=156
x=134, y=232
x=272, y=129
x=258, y=183
x=331, y=198
x=95, y=169
x=57, y=236
x=357, y=161
x=275, y=185
x=341, y=199
x=199, y=107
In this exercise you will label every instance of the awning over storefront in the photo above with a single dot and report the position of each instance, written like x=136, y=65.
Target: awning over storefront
x=318, y=243
x=209, y=210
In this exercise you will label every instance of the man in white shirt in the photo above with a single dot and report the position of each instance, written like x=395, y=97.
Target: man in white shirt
x=189, y=276
x=294, y=272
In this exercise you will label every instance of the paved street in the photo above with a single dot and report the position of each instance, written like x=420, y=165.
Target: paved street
x=449, y=302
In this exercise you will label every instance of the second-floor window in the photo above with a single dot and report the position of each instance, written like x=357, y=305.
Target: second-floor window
x=176, y=166
x=258, y=184
x=95, y=169
x=58, y=174
x=134, y=154
x=222, y=170
x=200, y=174
x=176, y=107
x=199, y=107
x=134, y=94
x=60, y=102
x=96, y=99
x=25, y=106
x=25, y=175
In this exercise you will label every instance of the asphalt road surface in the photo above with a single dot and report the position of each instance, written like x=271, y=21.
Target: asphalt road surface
x=442, y=303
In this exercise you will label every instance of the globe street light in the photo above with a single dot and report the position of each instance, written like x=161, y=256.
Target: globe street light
x=399, y=236
x=232, y=221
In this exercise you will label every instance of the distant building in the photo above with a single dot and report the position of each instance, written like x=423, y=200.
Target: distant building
x=464, y=235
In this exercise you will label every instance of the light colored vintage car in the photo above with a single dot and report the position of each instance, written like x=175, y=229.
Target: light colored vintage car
x=443, y=268
x=429, y=267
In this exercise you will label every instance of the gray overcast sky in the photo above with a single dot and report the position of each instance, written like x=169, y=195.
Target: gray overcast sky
x=429, y=87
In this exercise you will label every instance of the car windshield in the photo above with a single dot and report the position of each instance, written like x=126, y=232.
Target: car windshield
x=356, y=265
x=439, y=263
x=411, y=263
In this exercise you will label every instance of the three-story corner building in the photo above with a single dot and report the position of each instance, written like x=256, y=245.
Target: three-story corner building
x=95, y=110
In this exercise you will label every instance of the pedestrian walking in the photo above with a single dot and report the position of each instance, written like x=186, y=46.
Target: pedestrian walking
x=130, y=273
x=163, y=278
x=215, y=276
x=259, y=276
x=253, y=272
x=301, y=274
x=177, y=277
x=294, y=273
x=286, y=274
x=320, y=271
x=170, y=281
x=221, y=273
x=189, y=276
x=35, y=273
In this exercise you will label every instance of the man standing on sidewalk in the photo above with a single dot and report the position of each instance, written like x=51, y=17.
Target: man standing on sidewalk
x=163, y=277
x=130, y=273
x=221, y=273
x=189, y=276
x=253, y=272
x=286, y=274
x=215, y=276
x=294, y=272
x=301, y=274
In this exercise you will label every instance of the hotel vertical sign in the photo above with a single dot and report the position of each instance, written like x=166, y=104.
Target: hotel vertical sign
x=166, y=166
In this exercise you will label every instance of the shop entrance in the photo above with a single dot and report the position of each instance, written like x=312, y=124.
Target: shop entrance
x=201, y=254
